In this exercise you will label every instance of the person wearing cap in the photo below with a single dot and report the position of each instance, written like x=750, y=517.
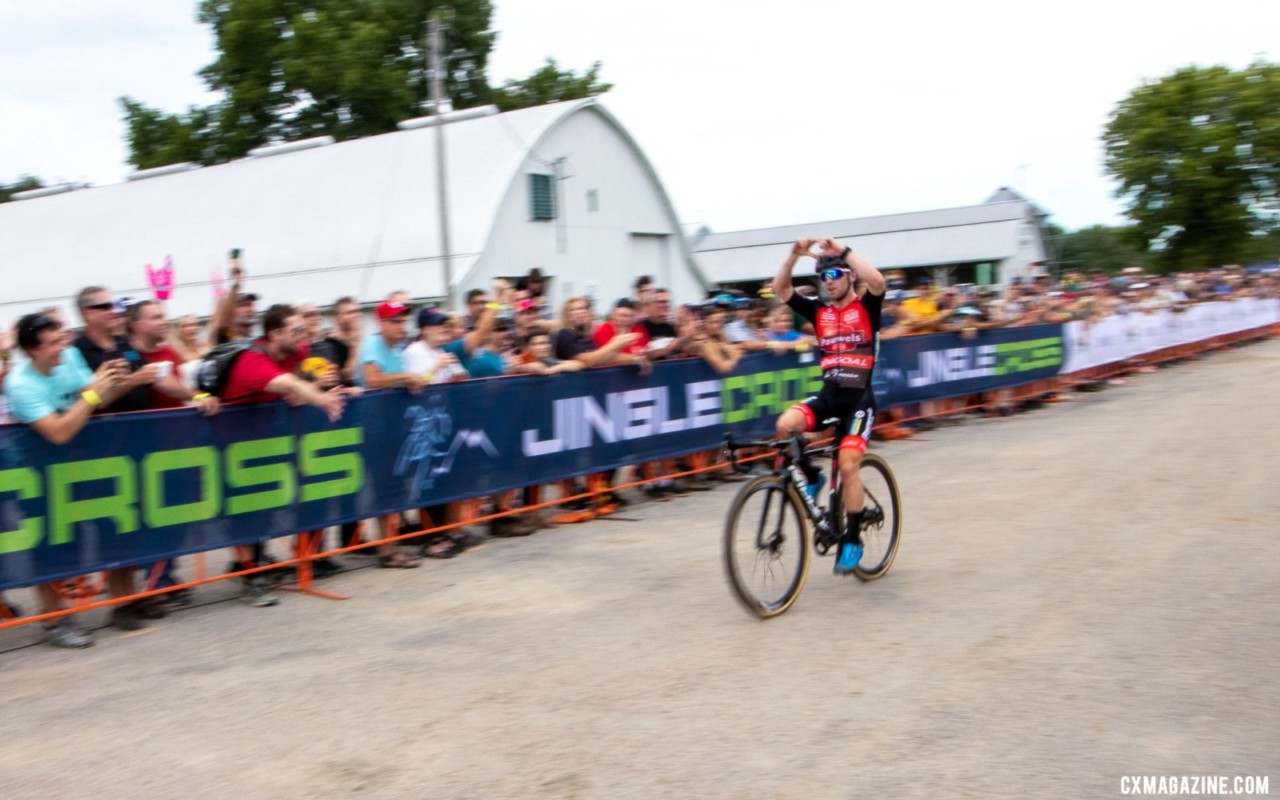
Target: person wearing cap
x=380, y=363
x=54, y=393
x=426, y=356
x=847, y=329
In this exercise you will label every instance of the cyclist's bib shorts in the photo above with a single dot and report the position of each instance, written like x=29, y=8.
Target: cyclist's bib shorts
x=852, y=411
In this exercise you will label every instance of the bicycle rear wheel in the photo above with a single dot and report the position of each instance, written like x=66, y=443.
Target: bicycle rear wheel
x=766, y=553
x=881, y=518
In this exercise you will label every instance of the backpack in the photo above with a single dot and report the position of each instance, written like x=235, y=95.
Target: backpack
x=215, y=367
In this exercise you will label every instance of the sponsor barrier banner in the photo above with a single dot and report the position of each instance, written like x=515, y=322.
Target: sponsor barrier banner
x=940, y=365
x=1120, y=337
x=135, y=488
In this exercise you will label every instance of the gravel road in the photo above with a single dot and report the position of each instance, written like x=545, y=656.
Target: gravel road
x=1084, y=592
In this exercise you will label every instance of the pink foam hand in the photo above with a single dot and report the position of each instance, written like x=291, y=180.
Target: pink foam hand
x=216, y=283
x=161, y=280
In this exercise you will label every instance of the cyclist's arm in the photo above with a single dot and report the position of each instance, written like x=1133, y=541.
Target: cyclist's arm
x=866, y=273
x=782, y=288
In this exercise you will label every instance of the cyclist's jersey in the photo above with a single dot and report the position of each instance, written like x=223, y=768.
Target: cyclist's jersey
x=848, y=336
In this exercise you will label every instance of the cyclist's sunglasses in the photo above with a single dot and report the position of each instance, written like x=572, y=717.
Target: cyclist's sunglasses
x=832, y=273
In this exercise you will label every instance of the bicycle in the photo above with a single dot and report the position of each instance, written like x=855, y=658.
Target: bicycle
x=767, y=526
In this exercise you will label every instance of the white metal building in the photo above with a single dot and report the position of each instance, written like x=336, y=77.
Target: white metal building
x=561, y=187
x=989, y=244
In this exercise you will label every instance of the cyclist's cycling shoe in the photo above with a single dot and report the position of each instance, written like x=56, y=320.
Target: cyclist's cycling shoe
x=847, y=557
x=812, y=489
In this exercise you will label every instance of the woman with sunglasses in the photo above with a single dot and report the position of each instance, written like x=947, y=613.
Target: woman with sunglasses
x=847, y=327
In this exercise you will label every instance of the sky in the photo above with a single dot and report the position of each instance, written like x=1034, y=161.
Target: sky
x=753, y=114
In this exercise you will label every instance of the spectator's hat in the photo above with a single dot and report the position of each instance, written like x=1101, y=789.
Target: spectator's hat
x=430, y=317
x=391, y=310
x=625, y=302
x=246, y=297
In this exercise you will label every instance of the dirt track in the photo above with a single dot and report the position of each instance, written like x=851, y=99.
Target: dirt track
x=1085, y=591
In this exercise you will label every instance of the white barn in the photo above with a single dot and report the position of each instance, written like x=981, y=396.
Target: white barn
x=990, y=244
x=561, y=187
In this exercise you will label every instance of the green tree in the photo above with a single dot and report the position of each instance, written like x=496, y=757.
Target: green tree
x=549, y=84
x=22, y=184
x=292, y=69
x=1197, y=156
x=1100, y=247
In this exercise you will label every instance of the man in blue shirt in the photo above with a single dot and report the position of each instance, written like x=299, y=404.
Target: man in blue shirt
x=54, y=394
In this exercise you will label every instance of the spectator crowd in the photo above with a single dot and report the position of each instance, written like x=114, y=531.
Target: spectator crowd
x=127, y=356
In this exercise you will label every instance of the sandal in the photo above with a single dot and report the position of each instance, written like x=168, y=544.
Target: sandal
x=442, y=546
x=398, y=560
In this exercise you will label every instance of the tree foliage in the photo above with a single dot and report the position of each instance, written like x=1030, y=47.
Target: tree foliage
x=293, y=69
x=1197, y=156
x=23, y=184
x=1099, y=248
x=549, y=84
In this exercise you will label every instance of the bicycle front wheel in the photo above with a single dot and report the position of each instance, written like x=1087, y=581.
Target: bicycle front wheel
x=766, y=552
x=881, y=518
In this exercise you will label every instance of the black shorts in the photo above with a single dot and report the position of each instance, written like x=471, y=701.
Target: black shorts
x=852, y=411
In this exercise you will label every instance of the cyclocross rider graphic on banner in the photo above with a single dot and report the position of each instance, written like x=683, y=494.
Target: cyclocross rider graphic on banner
x=848, y=331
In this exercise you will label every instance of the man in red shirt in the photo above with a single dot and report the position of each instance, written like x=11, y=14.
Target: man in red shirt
x=268, y=370
x=623, y=320
x=147, y=331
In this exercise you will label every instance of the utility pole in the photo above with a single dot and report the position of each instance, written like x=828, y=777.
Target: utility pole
x=439, y=102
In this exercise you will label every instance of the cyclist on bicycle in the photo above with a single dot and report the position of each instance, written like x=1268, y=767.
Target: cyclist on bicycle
x=847, y=328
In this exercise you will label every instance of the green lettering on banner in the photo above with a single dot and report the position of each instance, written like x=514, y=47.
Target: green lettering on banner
x=120, y=506
x=1014, y=357
x=736, y=383
x=154, y=467
x=25, y=483
x=766, y=393
x=349, y=465
x=278, y=478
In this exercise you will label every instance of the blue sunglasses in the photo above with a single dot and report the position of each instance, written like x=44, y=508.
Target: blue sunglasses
x=832, y=273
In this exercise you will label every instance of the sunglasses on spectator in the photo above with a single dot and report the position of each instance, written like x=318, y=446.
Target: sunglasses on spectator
x=833, y=274
x=101, y=306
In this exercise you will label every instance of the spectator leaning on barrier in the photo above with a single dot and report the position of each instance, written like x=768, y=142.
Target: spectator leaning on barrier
x=622, y=320
x=147, y=331
x=269, y=371
x=713, y=343
x=55, y=394
x=665, y=340
x=341, y=344
x=380, y=365
x=426, y=356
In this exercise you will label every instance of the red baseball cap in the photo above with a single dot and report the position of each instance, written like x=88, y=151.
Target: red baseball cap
x=389, y=310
